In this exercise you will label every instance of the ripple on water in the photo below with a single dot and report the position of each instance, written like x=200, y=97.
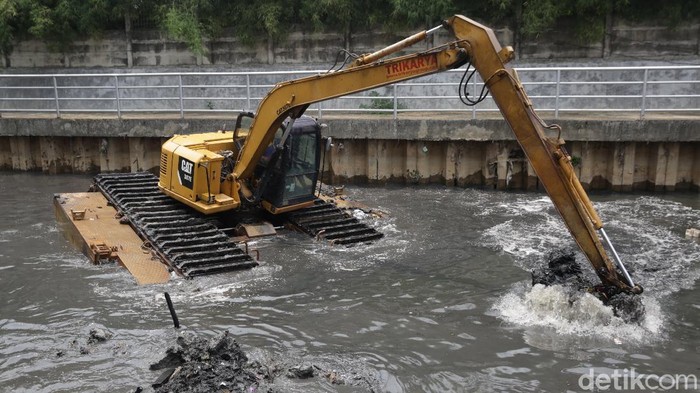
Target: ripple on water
x=406, y=302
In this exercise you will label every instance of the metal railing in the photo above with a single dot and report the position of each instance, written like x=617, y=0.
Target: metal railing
x=554, y=90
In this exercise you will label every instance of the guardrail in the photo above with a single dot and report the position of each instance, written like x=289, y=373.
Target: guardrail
x=556, y=90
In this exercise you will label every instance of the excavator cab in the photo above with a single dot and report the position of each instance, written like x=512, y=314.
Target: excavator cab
x=288, y=170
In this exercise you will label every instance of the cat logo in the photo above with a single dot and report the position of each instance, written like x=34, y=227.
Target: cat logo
x=185, y=173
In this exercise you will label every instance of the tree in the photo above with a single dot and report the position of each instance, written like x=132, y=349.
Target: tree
x=424, y=13
x=258, y=20
x=61, y=22
x=185, y=20
x=672, y=12
x=534, y=17
x=8, y=12
x=346, y=16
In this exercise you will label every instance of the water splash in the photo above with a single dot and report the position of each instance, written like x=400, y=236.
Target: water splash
x=648, y=233
x=577, y=314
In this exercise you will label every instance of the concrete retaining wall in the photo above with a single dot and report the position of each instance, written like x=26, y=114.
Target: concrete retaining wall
x=153, y=48
x=661, y=155
x=618, y=166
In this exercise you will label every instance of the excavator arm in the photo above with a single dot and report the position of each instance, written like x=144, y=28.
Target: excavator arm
x=549, y=159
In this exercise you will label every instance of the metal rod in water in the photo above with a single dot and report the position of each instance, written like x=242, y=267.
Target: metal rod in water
x=176, y=322
x=617, y=257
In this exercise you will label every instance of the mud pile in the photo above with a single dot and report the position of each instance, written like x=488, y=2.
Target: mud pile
x=563, y=269
x=200, y=365
x=197, y=365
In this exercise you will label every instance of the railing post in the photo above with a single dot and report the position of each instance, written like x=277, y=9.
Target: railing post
x=396, y=103
x=55, y=96
x=247, y=93
x=556, y=97
x=182, y=104
x=116, y=95
x=644, y=94
x=320, y=111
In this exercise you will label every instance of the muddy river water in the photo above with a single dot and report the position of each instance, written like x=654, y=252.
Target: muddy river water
x=443, y=303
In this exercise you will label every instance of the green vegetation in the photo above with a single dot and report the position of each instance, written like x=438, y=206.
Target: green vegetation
x=380, y=103
x=60, y=22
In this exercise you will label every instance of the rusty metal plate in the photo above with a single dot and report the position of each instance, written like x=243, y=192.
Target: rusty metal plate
x=100, y=226
x=259, y=229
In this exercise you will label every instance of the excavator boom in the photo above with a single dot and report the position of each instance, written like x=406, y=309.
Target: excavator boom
x=290, y=99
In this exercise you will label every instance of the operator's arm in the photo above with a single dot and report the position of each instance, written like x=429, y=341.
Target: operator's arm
x=546, y=155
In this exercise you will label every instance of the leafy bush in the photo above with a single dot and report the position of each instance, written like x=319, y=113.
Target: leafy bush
x=381, y=103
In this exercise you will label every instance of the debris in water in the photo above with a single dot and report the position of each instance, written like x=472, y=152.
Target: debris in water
x=563, y=269
x=627, y=306
x=197, y=364
x=200, y=365
x=334, y=378
x=301, y=372
x=97, y=335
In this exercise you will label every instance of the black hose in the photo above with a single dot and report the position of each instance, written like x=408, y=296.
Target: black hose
x=463, y=88
x=348, y=56
x=323, y=169
x=206, y=168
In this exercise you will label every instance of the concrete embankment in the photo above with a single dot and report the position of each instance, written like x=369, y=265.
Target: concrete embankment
x=660, y=154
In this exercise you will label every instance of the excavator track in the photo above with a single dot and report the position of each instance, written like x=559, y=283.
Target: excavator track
x=194, y=245
x=189, y=244
x=326, y=221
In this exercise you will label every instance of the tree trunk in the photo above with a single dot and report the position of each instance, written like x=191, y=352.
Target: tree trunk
x=346, y=38
x=608, y=33
x=127, y=31
x=270, y=50
x=430, y=39
x=518, y=29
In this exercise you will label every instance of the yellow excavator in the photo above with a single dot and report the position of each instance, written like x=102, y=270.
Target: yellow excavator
x=271, y=158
